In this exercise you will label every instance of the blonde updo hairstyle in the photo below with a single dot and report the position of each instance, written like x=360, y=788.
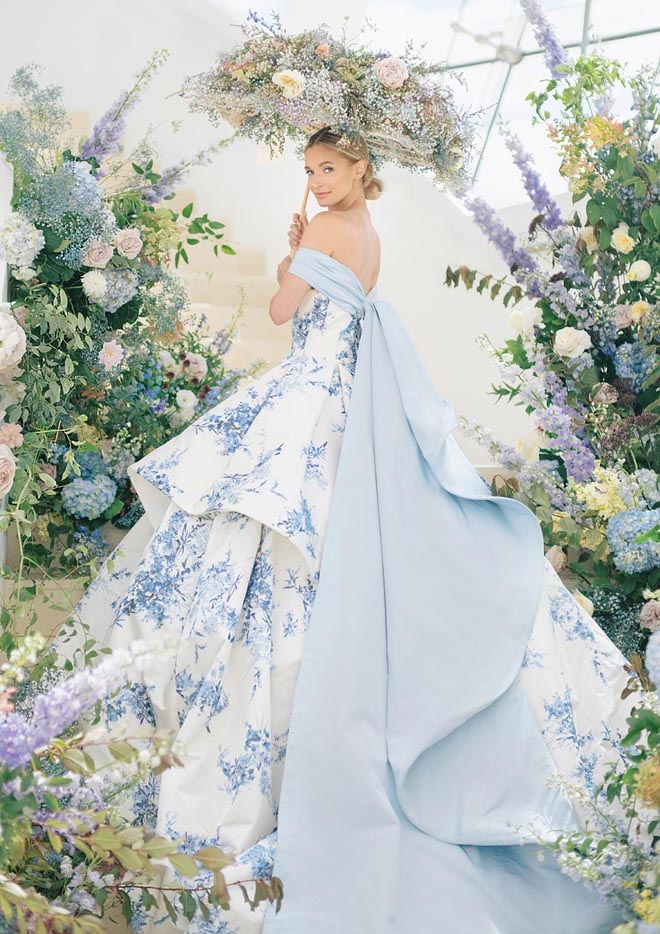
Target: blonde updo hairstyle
x=355, y=150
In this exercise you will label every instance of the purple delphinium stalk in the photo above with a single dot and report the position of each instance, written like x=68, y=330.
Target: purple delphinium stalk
x=536, y=189
x=555, y=53
x=60, y=707
x=105, y=139
x=499, y=234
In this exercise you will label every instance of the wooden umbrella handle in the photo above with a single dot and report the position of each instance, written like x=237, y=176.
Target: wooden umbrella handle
x=292, y=251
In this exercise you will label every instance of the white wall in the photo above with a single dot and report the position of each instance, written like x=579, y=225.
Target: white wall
x=92, y=50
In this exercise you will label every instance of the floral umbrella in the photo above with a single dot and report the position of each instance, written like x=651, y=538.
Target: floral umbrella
x=277, y=86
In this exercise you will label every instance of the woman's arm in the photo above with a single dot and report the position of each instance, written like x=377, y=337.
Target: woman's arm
x=320, y=234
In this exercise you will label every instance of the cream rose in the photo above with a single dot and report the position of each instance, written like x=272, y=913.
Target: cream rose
x=590, y=239
x=194, y=366
x=621, y=239
x=128, y=242
x=12, y=341
x=186, y=399
x=97, y=254
x=654, y=143
x=639, y=271
x=523, y=320
x=528, y=448
x=571, y=342
x=292, y=82
x=392, y=72
x=7, y=469
x=638, y=310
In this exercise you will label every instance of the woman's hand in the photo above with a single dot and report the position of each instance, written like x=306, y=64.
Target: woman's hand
x=296, y=230
x=283, y=268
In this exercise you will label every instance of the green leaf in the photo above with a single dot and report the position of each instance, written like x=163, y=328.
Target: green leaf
x=183, y=864
x=137, y=168
x=227, y=249
x=188, y=905
x=126, y=907
x=187, y=211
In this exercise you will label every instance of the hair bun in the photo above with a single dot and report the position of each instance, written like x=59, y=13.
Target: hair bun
x=373, y=186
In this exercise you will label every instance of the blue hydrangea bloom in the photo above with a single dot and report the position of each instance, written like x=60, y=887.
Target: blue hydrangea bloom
x=622, y=530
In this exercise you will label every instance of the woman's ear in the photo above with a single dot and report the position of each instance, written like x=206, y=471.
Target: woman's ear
x=362, y=168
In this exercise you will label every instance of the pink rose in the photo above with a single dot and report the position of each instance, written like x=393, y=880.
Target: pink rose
x=323, y=50
x=391, y=71
x=7, y=469
x=622, y=316
x=194, y=366
x=20, y=312
x=11, y=434
x=111, y=354
x=606, y=394
x=97, y=254
x=128, y=242
x=649, y=617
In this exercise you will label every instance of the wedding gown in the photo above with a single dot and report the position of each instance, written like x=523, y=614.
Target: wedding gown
x=446, y=671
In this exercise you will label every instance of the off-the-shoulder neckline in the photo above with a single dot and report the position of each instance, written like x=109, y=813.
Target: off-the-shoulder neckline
x=339, y=263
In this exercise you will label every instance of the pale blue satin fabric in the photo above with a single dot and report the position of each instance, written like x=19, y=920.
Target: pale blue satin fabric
x=412, y=750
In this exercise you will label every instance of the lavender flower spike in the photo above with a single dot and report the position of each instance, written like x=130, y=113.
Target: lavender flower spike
x=536, y=189
x=61, y=706
x=499, y=234
x=555, y=53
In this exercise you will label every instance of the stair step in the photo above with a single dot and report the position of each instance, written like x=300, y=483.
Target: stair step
x=254, y=324
x=225, y=288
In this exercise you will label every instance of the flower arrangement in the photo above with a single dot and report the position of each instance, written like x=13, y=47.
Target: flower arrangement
x=67, y=856
x=94, y=302
x=616, y=854
x=277, y=86
x=586, y=320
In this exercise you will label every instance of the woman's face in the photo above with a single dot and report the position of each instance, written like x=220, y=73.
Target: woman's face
x=332, y=177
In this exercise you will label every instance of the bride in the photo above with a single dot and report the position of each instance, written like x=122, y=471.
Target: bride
x=377, y=669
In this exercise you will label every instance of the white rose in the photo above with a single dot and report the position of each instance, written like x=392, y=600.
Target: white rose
x=391, y=71
x=528, y=448
x=7, y=469
x=168, y=363
x=23, y=273
x=557, y=557
x=638, y=310
x=10, y=394
x=621, y=240
x=638, y=271
x=590, y=238
x=654, y=143
x=584, y=602
x=128, y=242
x=186, y=399
x=12, y=340
x=97, y=254
x=522, y=320
x=571, y=342
x=94, y=285
x=292, y=82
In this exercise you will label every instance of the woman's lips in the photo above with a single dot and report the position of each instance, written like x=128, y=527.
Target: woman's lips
x=322, y=194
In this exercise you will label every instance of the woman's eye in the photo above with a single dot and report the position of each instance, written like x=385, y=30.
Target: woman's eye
x=328, y=168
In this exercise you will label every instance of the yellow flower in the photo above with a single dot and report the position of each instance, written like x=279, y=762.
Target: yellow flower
x=621, y=239
x=647, y=784
x=647, y=907
x=638, y=310
x=603, y=132
x=601, y=495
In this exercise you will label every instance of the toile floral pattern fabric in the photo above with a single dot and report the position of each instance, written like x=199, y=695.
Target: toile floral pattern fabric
x=226, y=563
